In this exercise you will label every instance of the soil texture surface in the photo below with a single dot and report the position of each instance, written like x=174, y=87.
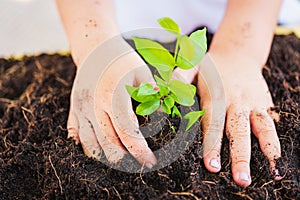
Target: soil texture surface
x=37, y=161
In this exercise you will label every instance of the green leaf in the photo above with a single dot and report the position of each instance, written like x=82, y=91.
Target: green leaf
x=200, y=43
x=199, y=37
x=144, y=98
x=183, y=63
x=146, y=89
x=163, y=87
x=175, y=111
x=165, y=72
x=169, y=25
x=130, y=89
x=166, y=108
x=169, y=101
x=193, y=88
x=155, y=54
x=192, y=117
x=183, y=93
x=160, y=81
x=148, y=107
x=186, y=46
x=174, y=97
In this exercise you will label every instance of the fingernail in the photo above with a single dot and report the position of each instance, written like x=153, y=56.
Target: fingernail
x=214, y=163
x=244, y=177
x=276, y=175
x=149, y=165
x=276, y=172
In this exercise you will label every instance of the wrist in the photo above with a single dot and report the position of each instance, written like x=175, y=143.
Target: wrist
x=106, y=53
x=86, y=43
x=232, y=62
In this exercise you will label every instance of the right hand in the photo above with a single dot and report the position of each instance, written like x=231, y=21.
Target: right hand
x=101, y=115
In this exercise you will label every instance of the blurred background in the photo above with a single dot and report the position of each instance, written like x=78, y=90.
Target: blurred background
x=30, y=27
x=34, y=26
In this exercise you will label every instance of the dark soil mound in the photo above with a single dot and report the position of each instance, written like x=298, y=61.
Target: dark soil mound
x=37, y=161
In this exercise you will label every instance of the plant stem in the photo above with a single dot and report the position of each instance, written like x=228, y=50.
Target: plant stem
x=176, y=48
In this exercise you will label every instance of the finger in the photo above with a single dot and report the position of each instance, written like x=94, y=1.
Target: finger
x=88, y=139
x=274, y=115
x=213, y=101
x=238, y=133
x=143, y=74
x=73, y=127
x=264, y=129
x=187, y=76
x=126, y=125
x=213, y=126
x=133, y=139
x=107, y=137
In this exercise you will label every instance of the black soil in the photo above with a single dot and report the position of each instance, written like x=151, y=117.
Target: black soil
x=37, y=161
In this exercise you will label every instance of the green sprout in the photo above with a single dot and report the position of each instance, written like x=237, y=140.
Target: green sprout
x=169, y=93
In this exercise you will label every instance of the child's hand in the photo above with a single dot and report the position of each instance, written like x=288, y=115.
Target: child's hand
x=101, y=115
x=236, y=98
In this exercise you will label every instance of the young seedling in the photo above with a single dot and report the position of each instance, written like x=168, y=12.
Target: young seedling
x=189, y=51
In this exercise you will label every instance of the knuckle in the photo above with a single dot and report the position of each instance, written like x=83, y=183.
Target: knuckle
x=213, y=125
x=213, y=128
x=115, y=156
x=129, y=134
x=125, y=130
x=215, y=149
x=238, y=139
x=240, y=154
x=238, y=130
x=266, y=132
x=241, y=160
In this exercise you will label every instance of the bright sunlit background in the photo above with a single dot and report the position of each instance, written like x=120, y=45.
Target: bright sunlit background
x=34, y=26
x=29, y=27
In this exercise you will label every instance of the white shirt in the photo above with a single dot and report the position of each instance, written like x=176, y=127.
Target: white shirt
x=139, y=17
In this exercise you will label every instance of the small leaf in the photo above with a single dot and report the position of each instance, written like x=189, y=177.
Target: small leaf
x=148, y=107
x=175, y=111
x=166, y=108
x=165, y=72
x=169, y=25
x=186, y=46
x=199, y=37
x=174, y=97
x=200, y=44
x=193, y=88
x=144, y=98
x=192, y=117
x=186, y=53
x=160, y=81
x=169, y=101
x=199, y=41
x=146, y=89
x=130, y=89
x=155, y=54
x=173, y=129
x=164, y=91
x=183, y=93
x=163, y=87
x=183, y=63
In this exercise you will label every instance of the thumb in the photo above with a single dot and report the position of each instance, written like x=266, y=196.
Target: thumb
x=143, y=74
x=187, y=76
